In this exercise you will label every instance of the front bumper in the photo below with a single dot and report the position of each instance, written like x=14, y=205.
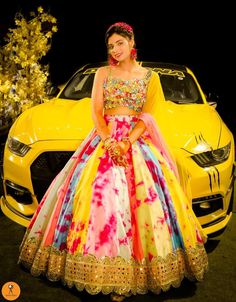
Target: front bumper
x=13, y=214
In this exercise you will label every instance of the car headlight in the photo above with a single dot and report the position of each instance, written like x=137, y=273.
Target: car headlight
x=213, y=157
x=17, y=147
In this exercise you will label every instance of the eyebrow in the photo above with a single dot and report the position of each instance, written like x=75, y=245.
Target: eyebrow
x=115, y=42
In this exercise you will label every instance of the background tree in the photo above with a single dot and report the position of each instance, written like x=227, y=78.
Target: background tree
x=23, y=79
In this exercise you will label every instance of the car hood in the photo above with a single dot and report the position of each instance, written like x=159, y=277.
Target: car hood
x=55, y=120
x=183, y=126
x=194, y=127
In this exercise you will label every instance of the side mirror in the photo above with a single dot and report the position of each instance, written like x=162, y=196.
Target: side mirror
x=212, y=99
x=213, y=104
x=52, y=91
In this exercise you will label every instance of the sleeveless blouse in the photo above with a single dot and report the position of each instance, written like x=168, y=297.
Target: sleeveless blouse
x=125, y=93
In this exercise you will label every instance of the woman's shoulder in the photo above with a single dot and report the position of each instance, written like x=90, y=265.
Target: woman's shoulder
x=104, y=70
x=150, y=73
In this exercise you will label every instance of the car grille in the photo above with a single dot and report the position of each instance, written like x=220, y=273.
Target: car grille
x=44, y=169
x=208, y=204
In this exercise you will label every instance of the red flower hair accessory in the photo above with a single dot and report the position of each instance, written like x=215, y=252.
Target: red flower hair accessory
x=123, y=25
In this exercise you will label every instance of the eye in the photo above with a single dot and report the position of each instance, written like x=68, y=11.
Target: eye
x=109, y=47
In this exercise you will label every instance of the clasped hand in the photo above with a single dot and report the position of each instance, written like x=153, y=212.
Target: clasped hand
x=117, y=151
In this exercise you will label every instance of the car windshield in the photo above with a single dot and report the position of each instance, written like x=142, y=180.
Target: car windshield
x=80, y=86
x=178, y=86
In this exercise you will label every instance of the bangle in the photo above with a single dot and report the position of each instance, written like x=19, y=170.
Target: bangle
x=126, y=140
x=116, y=152
x=108, y=141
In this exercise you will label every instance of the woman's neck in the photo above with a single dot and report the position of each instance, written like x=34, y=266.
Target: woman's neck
x=128, y=66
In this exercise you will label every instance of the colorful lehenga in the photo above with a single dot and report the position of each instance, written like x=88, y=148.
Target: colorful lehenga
x=105, y=228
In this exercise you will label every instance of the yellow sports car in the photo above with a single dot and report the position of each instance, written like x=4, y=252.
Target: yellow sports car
x=44, y=137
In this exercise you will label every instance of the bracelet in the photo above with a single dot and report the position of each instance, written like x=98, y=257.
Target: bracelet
x=108, y=141
x=116, y=152
x=126, y=140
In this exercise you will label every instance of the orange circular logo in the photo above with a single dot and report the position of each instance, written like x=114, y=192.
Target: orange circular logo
x=11, y=291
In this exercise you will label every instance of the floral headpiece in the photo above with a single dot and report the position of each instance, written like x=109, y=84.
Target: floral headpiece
x=123, y=25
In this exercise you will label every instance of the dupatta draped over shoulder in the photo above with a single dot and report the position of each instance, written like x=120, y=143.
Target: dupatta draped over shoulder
x=154, y=94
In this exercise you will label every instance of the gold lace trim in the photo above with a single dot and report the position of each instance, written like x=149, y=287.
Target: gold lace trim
x=116, y=274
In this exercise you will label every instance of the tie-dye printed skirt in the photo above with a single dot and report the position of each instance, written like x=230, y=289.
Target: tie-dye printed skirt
x=105, y=228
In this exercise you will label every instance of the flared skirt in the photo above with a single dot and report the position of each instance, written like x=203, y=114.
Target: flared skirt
x=106, y=228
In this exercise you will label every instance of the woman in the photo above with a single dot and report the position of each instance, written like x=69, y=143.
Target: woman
x=115, y=219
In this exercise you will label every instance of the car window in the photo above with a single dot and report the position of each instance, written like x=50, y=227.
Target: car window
x=79, y=87
x=180, y=89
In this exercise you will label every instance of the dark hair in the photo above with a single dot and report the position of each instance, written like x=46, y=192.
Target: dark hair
x=121, y=28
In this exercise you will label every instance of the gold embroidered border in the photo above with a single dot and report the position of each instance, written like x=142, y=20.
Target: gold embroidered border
x=116, y=274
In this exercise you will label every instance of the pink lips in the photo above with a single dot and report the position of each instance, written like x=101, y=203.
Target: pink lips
x=118, y=55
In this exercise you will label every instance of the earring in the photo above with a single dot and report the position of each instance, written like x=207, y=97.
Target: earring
x=133, y=54
x=112, y=61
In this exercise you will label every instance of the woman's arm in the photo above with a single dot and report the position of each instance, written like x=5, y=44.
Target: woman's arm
x=97, y=104
x=137, y=131
x=98, y=118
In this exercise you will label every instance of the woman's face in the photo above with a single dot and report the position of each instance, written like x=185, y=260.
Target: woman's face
x=119, y=47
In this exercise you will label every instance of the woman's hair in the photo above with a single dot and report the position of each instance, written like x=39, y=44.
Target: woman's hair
x=121, y=28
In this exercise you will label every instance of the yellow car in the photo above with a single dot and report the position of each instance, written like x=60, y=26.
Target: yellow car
x=44, y=137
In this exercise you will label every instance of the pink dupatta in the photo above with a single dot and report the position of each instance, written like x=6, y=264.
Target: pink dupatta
x=158, y=141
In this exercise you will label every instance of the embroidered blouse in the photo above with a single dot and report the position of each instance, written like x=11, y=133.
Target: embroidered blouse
x=126, y=93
